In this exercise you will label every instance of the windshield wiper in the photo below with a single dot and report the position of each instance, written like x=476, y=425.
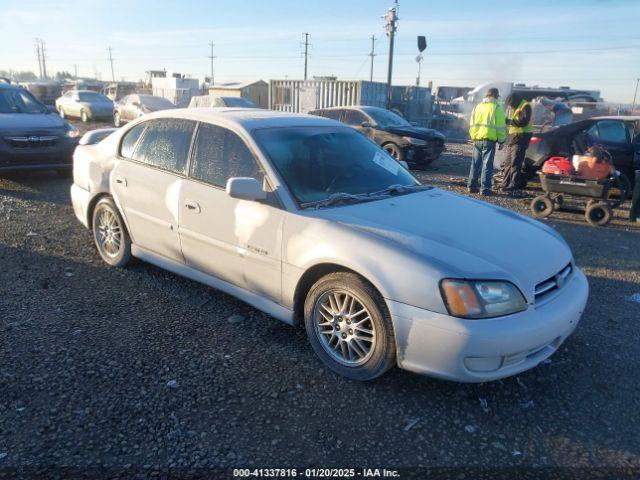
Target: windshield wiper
x=398, y=190
x=341, y=197
x=333, y=199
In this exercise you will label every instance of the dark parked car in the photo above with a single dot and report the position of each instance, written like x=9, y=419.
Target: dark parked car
x=416, y=145
x=133, y=106
x=619, y=135
x=33, y=136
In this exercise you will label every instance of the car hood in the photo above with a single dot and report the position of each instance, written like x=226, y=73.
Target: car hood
x=28, y=122
x=414, y=132
x=462, y=237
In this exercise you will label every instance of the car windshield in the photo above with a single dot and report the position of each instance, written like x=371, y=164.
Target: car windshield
x=92, y=97
x=386, y=118
x=155, y=103
x=19, y=101
x=321, y=163
x=239, y=102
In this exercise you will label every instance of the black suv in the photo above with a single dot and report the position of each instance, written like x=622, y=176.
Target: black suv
x=31, y=135
x=403, y=141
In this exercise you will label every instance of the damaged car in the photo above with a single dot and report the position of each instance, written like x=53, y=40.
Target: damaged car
x=403, y=141
x=313, y=223
x=135, y=105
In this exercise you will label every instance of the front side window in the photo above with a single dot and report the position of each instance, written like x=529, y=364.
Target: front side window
x=220, y=154
x=165, y=144
x=332, y=114
x=354, y=118
x=317, y=162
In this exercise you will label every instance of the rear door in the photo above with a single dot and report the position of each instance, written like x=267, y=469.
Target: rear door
x=235, y=240
x=147, y=179
x=614, y=136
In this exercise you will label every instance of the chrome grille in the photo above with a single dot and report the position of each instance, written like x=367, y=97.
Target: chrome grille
x=552, y=283
x=32, y=141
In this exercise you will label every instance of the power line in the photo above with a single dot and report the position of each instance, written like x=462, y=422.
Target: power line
x=113, y=77
x=372, y=54
x=306, y=53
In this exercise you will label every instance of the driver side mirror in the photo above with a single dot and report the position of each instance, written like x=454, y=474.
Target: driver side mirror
x=245, y=188
x=366, y=124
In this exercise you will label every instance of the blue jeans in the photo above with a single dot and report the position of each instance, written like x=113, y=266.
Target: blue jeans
x=482, y=159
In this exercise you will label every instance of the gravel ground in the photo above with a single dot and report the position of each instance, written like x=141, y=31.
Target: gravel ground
x=137, y=372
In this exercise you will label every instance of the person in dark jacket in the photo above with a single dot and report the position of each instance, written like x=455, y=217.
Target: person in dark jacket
x=519, y=129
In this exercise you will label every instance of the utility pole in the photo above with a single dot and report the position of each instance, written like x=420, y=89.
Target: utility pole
x=75, y=70
x=211, y=57
x=372, y=54
x=392, y=20
x=113, y=77
x=39, y=57
x=44, y=60
x=633, y=108
x=306, y=53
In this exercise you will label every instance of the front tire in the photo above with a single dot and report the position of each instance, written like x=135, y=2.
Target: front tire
x=349, y=326
x=110, y=234
x=83, y=116
x=394, y=150
x=116, y=120
x=61, y=112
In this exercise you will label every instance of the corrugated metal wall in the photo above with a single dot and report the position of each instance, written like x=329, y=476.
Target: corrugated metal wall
x=301, y=96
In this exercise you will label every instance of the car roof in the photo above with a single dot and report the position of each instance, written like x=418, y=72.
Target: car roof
x=342, y=107
x=628, y=118
x=11, y=86
x=246, y=118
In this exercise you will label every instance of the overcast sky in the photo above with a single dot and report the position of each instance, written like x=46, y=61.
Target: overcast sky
x=584, y=44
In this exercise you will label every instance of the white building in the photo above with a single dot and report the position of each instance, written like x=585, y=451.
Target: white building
x=176, y=89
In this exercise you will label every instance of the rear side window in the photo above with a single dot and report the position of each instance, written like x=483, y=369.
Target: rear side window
x=130, y=139
x=609, y=131
x=165, y=144
x=220, y=154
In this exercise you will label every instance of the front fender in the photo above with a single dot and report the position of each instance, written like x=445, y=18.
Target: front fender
x=396, y=273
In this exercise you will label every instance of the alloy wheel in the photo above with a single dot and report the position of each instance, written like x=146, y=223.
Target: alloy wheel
x=344, y=327
x=109, y=233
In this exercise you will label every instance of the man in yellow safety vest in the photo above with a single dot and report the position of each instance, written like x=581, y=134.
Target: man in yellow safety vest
x=486, y=128
x=520, y=128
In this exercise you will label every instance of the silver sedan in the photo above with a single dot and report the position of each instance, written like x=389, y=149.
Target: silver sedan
x=308, y=220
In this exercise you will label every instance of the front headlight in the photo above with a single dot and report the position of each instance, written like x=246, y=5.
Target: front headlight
x=73, y=132
x=414, y=141
x=482, y=298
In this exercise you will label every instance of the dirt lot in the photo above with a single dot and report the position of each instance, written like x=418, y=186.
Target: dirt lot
x=140, y=372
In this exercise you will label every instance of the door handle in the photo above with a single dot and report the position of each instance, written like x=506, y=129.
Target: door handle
x=193, y=206
x=122, y=181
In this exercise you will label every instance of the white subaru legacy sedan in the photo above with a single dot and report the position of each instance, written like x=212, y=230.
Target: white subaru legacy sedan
x=310, y=221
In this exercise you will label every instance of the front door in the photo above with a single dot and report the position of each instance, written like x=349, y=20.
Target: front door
x=235, y=240
x=147, y=180
x=615, y=137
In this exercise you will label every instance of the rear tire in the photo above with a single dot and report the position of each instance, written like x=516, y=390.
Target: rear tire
x=110, y=234
x=541, y=206
x=61, y=112
x=83, y=116
x=349, y=326
x=116, y=120
x=599, y=214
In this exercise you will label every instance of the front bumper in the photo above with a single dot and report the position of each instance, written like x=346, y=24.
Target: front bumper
x=424, y=153
x=483, y=350
x=34, y=157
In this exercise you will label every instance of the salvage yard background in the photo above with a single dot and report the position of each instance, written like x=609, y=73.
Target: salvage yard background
x=139, y=369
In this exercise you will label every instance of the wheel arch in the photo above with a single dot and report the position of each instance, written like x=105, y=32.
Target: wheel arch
x=311, y=276
x=92, y=205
